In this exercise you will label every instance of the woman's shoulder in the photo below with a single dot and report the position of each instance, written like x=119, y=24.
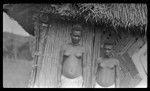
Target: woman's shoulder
x=115, y=61
x=100, y=60
x=65, y=45
x=82, y=48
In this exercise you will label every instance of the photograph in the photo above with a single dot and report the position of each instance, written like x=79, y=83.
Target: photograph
x=75, y=45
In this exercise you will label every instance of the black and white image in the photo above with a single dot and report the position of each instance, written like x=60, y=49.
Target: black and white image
x=81, y=45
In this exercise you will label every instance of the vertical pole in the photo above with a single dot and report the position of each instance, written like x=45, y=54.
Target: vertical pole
x=92, y=59
x=116, y=77
x=37, y=36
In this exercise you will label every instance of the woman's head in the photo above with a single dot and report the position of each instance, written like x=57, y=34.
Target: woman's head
x=76, y=34
x=108, y=49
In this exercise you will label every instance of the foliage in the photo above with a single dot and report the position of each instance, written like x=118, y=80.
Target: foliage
x=15, y=46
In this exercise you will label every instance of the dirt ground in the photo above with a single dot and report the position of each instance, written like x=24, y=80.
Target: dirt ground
x=16, y=73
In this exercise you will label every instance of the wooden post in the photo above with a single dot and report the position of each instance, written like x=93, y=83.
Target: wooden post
x=93, y=59
x=37, y=35
x=116, y=77
x=96, y=53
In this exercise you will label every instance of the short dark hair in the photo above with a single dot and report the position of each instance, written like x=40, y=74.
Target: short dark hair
x=76, y=28
x=108, y=44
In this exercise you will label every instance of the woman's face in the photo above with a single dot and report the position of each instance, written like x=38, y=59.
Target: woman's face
x=107, y=50
x=76, y=37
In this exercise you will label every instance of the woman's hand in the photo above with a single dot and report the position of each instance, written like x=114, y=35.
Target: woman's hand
x=59, y=84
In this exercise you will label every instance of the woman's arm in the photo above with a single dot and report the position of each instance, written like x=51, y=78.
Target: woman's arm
x=97, y=62
x=117, y=72
x=84, y=66
x=95, y=71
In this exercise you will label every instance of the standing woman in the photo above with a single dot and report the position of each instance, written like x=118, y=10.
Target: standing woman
x=107, y=70
x=72, y=61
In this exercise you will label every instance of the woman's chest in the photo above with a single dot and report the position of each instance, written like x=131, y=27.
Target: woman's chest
x=108, y=63
x=76, y=52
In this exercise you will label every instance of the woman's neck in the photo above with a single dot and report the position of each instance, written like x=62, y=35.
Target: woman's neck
x=75, y=44
x=106, y=57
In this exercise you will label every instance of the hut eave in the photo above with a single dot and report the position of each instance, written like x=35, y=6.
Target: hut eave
x=124, y=15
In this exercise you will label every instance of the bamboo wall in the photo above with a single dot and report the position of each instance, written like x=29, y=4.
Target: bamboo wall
x=140, y=59
x=129, y=74
x=59, y=34
x=97, y=51
x=123, y=50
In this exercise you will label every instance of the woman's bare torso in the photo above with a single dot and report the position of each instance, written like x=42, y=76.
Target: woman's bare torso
x=105, y=75
x=72, y=61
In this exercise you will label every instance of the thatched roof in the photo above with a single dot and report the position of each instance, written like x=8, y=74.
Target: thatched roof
x=116, y=15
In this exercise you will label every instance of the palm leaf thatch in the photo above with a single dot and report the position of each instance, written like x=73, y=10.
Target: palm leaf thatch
x=122, y=15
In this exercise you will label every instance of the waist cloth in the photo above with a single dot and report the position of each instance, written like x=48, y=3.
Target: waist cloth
x=98, y=86
x=71, y=83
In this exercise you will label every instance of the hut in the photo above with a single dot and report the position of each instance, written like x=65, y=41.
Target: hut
x=125, y=25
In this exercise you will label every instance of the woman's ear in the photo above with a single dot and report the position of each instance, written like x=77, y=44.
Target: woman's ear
x=71, y=34
x=102, y=45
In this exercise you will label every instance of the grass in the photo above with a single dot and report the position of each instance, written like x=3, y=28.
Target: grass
x=16, y=73
x=17, y=60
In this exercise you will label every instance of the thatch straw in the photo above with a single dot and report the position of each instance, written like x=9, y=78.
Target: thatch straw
x=124, y=15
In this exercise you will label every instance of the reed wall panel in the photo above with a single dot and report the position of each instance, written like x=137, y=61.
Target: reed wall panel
x=59, y=34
